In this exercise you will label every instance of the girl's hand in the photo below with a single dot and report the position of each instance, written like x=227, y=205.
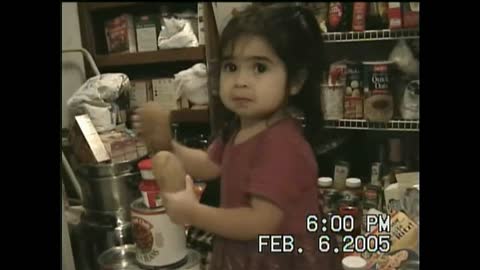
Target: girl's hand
x=152, y=124
x=181, y=205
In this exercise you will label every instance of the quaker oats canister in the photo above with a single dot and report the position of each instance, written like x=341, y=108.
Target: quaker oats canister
x=159, y=241
x=378, y=104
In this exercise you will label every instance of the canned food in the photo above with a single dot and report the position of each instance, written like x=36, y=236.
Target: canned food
x=359, y=16
x=159, y=241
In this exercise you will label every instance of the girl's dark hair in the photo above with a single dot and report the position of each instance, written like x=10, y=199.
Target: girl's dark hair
x=294, y=35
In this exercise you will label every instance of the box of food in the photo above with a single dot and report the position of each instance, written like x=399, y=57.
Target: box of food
x=402, y=234
x=120, y=34
x=411, y=14
x=164, y=93
x=394, y=15
x=140, y=93
x=146, y=29
x=200, y=24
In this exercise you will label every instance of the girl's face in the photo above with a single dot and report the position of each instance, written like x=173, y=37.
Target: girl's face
x=253, y=80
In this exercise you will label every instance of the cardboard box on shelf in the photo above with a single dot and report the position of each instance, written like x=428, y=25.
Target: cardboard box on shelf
x=394, y=15
x=164, y=93
x=117, y=153
x=90, y=147
x=123, y=147
x=120, y=34
x=403, y=234
x=146, y=29
x=411, y=14
x=140, y=93
x=200, y=24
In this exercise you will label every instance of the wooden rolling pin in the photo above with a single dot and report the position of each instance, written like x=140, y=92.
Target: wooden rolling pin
x=168, y=171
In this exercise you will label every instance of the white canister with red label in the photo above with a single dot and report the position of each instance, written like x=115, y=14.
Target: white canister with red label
x=148, y=186
x=159, y=241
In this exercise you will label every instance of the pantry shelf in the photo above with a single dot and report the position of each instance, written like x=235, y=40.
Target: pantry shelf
x=361, y=124
x=160, y=56
x=109, y=5
x=371, y=35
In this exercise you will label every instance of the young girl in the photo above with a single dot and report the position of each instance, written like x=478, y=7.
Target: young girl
x=271, y=61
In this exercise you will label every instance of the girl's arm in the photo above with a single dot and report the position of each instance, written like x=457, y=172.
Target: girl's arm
x=152, y=123
x=242, y=223
x=196, y=162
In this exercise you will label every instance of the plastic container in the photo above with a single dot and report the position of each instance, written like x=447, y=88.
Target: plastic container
x=148, y=186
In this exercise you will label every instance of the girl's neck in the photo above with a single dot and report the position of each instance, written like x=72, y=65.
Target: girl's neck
x=250, y=127
x=254, y=123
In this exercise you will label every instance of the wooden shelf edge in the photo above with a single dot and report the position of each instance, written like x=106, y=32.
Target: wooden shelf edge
x=190, y=116
x=108, y=5
x=160, y=56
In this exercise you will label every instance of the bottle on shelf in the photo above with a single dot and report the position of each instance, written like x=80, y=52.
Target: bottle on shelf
x=341, y=172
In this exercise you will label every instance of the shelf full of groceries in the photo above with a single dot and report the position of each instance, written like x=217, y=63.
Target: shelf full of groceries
x=366, y=21
x=361, y=124
x=377, y=95
x=375, y=222
x=371, y=35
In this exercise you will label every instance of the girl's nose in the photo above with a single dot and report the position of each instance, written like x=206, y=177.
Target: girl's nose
x=241, y=79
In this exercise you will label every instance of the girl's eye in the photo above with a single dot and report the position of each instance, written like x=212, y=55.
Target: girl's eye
x=229, y=67
x=260, y=68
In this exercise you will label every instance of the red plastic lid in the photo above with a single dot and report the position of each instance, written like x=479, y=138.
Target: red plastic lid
x=145, y=164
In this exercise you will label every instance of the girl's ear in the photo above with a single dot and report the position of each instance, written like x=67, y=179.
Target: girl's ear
x=298, y=81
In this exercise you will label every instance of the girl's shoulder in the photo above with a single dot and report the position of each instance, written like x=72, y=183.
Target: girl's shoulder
x=285, y=131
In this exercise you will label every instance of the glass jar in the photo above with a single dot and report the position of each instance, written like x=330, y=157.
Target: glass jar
x=328, y=196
